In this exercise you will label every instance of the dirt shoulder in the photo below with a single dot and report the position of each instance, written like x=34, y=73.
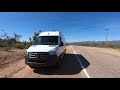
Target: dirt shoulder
x=12, y=56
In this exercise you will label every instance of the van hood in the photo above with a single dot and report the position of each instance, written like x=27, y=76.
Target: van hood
x=41, y=48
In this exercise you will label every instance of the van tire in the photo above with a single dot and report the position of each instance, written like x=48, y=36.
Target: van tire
x=59, y=62
x=32, y=67
x=64, y=54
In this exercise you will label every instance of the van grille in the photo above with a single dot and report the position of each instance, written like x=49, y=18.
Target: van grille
x=40, y=55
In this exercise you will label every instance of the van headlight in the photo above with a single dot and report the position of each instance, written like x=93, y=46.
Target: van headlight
x=52, y=52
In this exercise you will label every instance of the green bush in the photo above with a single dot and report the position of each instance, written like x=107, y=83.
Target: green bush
x=7, y=48
x=27, y=46
x=19, y=46
x=1, y=45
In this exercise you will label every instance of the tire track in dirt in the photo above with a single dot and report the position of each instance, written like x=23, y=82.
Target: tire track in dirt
x=12, y=69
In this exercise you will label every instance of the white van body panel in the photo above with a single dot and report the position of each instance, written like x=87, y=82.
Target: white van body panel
x=50, y=34
x=41, y=48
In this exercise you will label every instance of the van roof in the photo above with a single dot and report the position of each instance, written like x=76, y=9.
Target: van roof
x=50, y=33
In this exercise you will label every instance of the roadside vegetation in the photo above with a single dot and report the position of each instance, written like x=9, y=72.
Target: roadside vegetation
x=96, y=44
x=8, y=43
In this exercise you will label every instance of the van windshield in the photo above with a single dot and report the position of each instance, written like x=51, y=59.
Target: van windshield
x=46, y=40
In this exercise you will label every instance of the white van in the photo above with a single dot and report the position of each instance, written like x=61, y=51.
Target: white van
x=47, y=50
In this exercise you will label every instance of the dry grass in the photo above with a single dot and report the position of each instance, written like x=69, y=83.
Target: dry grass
x=10, y=56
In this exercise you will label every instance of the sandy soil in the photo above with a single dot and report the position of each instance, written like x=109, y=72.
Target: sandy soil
x=11, y=57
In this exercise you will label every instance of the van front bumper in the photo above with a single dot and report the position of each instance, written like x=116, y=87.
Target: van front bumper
x=50, y=60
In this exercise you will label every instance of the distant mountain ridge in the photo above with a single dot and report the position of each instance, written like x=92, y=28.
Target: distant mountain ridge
x=114, y=42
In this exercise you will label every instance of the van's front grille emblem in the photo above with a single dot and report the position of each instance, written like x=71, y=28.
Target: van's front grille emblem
x=38, y=55
x=33, y=55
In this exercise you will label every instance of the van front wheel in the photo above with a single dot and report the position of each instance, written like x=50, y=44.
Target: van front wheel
x=59, y=61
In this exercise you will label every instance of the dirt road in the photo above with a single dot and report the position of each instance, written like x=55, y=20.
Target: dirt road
x=79, y=62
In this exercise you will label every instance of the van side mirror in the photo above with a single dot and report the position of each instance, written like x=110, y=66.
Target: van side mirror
x=61, y=44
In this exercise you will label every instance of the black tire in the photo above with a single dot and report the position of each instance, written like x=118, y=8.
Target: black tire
x=58, y=63
x=64, y=53
x=33, y=67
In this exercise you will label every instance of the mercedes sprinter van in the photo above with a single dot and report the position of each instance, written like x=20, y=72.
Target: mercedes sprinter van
x=46, y=50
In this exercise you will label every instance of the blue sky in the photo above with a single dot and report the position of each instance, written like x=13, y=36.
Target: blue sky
x=76, y=26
